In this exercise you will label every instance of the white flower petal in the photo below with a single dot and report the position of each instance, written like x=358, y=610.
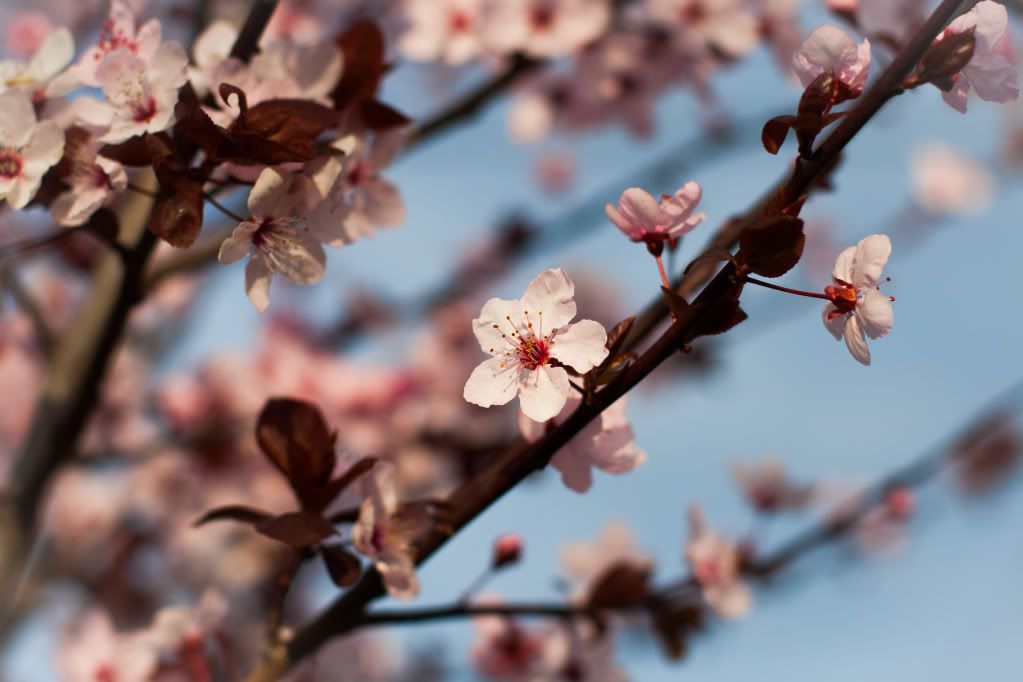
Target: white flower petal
x=543, y=392
x=498, y=320
x=17, y=119
x=855, y=341
x=835, y=325
x=575, y=469
x=548, y=300
x=237, y=245
x=270, y=187
x=844, y=265
x=493, y=382
x=875, y=313
x=257, y=281
x=872, y=254
x=581, y=346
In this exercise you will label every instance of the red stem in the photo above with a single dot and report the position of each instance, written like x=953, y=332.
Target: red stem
x=797, y=292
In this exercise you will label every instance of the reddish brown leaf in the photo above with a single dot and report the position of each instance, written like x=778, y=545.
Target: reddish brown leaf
x=234, y=512
x=618, y=334
x=363, y=49
x=620, y=586
x=299, y=529
x=772, y=246
x=294, y=436
x=343, y=567
x=716, y=318
x=775, y=131
x=138, y=151
x=946, y=58
x=676, y=304
x=317, y=498
x=287, y=121
x=177, y=214
x=380, y=116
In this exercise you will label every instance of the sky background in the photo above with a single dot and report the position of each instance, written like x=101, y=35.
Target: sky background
x=944, y=607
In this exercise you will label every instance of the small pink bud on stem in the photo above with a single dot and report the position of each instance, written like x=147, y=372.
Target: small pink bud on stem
x=507, y=551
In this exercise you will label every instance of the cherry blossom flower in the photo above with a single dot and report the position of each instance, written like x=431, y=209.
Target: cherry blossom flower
x=857, y=307
x=766, y=487
x=279, y=241
x=829, y=49
x=142, y=94
x=446, y=30
x=715, y=564
x=991, y=72
x=28, y=148
x=725, y=25
x=607, y=443
x=642, y=217
x=505, y=649
x=42, y=75
x=356, y=200
x=584, y=560
x=544, y=28
x=178, y=627
x=94, y=652
x=92, y=180
x=381, y=534
x=26, y=31
x=531, y=340
x=946, y=182
x=118, y=33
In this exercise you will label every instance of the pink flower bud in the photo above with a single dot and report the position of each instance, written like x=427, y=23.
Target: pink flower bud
x=507, y=550
x=900, y=502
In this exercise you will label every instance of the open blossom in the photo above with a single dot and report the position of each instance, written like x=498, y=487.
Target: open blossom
x=606, y=443
x=447, y=30
x=118, y=33
x=715, y=564
x=530, y=340
x=829, y=49
x=28, y=148
x=41, y=76
x=991, y=72
x=640, y=216
x=946, y=182
x=94, y=652
x=91, y=181
x=857, y=307
x=383, y=536
x=504, y=648
x=177, y=627
x=356, y=199
x=724, y=25
x=544, y=28
x=584, y=560
x=142, y=94
x=766, y=487
x=279, y=241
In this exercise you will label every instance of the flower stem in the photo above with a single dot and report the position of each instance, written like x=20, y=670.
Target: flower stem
x=664, y=275
x=796, y=292
x=223, y=209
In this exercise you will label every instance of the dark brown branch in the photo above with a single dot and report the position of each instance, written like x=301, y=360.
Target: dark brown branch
x=455, y=611
x=509, y=469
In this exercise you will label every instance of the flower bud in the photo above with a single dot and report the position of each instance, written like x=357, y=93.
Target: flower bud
x=507, y=550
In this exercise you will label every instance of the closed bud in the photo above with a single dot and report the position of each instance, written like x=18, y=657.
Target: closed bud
x=507, y=550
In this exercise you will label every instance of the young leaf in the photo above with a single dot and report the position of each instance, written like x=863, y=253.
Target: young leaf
x=299, y=529
x=294, y=436
x=622, y=585
x=178, y=212
x=772, y=246
x=233, y=512
x=343, y=567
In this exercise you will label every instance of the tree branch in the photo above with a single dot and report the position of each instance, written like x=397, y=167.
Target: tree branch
x=513, y=466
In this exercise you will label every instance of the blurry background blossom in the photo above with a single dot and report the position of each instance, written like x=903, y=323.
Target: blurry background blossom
x=122, y=585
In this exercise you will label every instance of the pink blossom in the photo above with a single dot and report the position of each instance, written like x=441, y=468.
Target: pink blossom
x=43, y=75
x=92, y=181
x=584, y=560
x=142, y=94
x=946, y=182
x=640, y=216
x=991, y=72
x=715, y=564
x=544, y=28
x=28, y=148
x=829, y=49
x=857, y=307
x=355, y=199
x=766, y=487
x=505, y=649
x=381, y=536
x=26, y=32
x=525, y=337
x=726, y=25
x=118, y=33
x=94, y=652
x=448, y=30
x=177, y=627
x=607, y=443
x=279, y=241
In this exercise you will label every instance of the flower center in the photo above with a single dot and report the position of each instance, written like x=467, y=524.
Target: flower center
x=459, y=22
x=527, y=347
x=111, y=37
x=533, y=351
x=708, y=572
x=104, y=673
x=10, y=164
x=842, y=296
x=144, y=110
x=541, y=17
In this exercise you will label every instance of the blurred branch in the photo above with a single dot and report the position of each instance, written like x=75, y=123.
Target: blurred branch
x=511, y=467
x=12, y=282
x=80, y=358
